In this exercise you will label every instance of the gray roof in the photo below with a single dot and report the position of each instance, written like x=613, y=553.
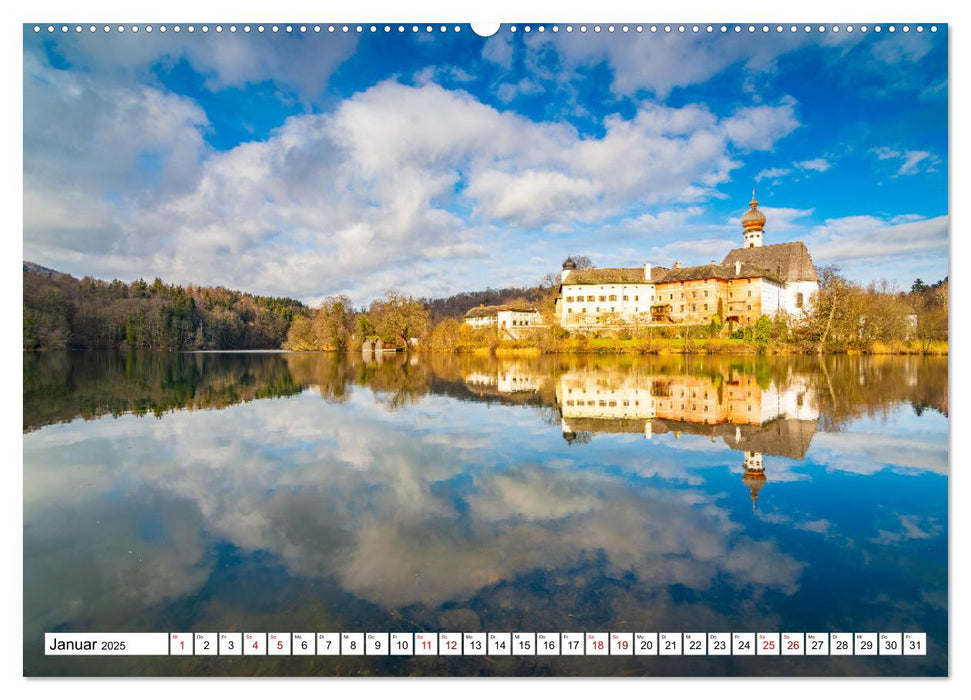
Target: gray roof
x=784, y=437
x=721, y=272
x=789, y=261
x=613, y=275
x=635, y=275
x=487, y=311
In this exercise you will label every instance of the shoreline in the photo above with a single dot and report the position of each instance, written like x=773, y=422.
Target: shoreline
x=678, y=347
x=511, y=350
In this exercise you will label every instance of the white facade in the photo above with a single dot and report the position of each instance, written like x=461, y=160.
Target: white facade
x=516, y=378
x=798, y=297
x=797, y=401
x=481, y=321
x=753, y=239
x=773, y=297
x=506, y=319
x=588, y=304
x=480, y=379
x=583, y=396
x=519, y=319
x=513, y=378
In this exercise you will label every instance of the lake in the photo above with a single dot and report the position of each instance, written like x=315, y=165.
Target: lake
x=211, y=492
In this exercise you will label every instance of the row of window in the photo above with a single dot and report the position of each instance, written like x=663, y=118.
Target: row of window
x=602, y=297
x=613, y=309
x=612, y=404
x=601, y=402
x=694, y=295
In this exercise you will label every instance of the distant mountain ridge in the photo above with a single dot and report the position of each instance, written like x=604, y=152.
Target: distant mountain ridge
x=456, y=305
x=40, y=269
x=62, y=311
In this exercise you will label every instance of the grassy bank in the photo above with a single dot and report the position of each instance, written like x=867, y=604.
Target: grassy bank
x=677, y=346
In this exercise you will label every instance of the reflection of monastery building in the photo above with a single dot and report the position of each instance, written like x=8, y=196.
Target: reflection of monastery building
x=778, y=421
x=480, y=379
x=513, y=380
x=510, y=320
x=750, y=282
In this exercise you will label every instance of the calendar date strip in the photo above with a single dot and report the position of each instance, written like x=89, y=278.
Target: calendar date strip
x=487, y=644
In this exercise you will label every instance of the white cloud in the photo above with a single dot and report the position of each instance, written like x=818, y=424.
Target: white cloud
x=531, y=198
x=911, y=162
x=859, y=452
x=661, y=62
x=358, y=200
x=499, y=50
x=94, y=150
x=868, y=237
x=691, y=252
x=380, y=519
x=666, y=222
x=821, y=526
x=442, y=74
x=772, y=174
x=507, y=92
x=820, y=165
x=758, y=128
x=778, y=219
x=226, y=59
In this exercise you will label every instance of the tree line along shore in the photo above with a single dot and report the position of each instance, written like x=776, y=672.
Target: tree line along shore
x=62, y=312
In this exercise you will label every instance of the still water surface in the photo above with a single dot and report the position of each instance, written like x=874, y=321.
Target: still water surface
x=310, y=492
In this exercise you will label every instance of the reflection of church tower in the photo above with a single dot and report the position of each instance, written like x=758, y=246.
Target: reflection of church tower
x=754, y=476
x=752, y=223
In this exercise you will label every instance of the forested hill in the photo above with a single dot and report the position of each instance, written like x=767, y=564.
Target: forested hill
x=34, y=267
x=61, y=311
x=456, y=305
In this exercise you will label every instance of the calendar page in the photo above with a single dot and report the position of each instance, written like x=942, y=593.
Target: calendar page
x=447, y=349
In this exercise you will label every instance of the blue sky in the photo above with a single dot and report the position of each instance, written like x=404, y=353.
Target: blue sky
x=430, y=162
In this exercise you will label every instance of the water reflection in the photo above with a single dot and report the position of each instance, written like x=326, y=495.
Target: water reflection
x=62, y=386
x=468, y=493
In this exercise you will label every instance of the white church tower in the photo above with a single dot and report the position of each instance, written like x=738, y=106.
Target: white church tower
x=752, y=222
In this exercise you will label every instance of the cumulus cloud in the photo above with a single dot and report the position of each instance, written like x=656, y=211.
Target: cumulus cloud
x=661, y=62
x=868, y=237
x=499, y=49
x=531, y=198
x=118, y=147
x=396, y=518
x=357, y=200
x=758, y=128
x=781, y=219
x=870, y=451
x=225, y=59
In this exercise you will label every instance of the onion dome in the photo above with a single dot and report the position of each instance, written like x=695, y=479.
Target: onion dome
x=568, y=264
x=753, y=219
x=755, y=480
